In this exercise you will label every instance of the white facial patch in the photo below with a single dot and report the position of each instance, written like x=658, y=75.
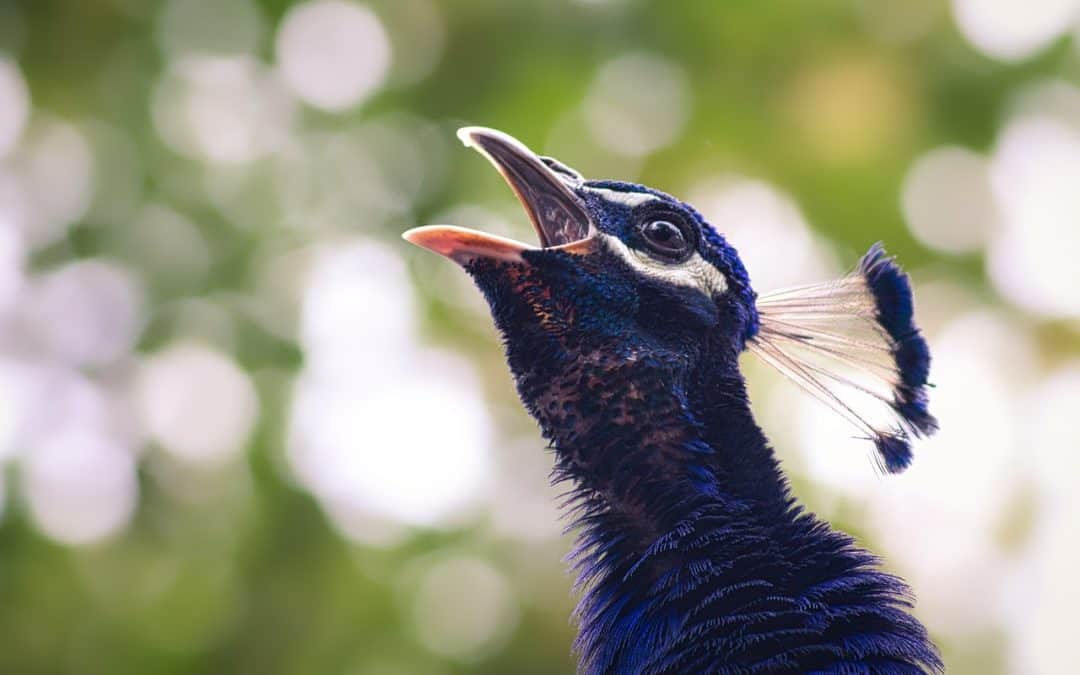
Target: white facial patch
x=694, y=272
x=630, y=199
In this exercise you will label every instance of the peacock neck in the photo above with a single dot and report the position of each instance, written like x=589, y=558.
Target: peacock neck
x=653, y=439
x=690, y=547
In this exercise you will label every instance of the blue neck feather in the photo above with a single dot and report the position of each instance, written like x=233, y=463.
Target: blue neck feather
x=692, y=555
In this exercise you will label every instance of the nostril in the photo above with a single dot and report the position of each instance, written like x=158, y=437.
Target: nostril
x=560, y=168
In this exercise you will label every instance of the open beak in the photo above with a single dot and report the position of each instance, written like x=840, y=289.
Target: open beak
x=560, y=220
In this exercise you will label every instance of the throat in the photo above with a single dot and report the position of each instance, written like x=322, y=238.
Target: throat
x=644, y=436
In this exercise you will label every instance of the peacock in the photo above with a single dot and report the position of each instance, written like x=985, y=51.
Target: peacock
x=623, y=330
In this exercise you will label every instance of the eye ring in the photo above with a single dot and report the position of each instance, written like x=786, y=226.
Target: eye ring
x=667, y=238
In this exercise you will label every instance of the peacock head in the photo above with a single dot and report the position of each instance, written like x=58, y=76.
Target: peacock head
x=619, y=266
x=625, y=273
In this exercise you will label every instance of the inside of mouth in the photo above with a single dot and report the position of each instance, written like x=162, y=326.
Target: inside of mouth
x=555, y=223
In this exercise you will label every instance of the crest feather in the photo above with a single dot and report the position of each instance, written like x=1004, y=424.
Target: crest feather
x=853, y=344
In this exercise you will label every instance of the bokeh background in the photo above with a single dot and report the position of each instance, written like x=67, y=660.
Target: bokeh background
x=246, y=429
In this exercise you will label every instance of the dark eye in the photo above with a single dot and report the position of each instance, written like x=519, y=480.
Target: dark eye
x=666, y=239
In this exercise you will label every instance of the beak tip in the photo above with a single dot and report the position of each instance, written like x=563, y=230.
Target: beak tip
x=465, y=135
x=414, y=237
x=427, y=237
x=474, y=137
x=486, y=140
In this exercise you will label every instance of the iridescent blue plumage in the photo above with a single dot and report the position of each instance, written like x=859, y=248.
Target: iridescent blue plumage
x=896, y=313
x=623, y=332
